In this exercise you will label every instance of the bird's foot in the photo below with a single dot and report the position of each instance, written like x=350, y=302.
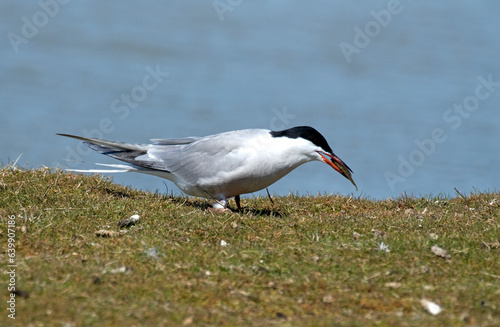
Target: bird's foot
x=219, y=206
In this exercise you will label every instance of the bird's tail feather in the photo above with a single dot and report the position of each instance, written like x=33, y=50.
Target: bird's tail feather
x=109, y=146
x=119, y=169
x=128, y=152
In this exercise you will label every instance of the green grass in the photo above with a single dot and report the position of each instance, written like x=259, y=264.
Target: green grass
x=300, y=261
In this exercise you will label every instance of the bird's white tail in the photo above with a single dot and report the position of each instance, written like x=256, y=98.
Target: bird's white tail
x=120, y=169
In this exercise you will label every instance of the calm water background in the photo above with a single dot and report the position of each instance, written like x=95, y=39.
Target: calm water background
x=261, y=64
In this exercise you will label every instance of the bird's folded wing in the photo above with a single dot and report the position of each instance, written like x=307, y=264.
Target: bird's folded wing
x=202, y=158
x=185, y=140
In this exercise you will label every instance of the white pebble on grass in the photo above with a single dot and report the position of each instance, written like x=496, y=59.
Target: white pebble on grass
x=431, y=307
x=440, y=252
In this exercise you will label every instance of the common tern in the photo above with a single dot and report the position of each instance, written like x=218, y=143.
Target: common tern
x=223, y=165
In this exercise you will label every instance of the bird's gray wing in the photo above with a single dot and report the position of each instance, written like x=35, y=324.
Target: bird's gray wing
x=185, y=140
x=205, y=157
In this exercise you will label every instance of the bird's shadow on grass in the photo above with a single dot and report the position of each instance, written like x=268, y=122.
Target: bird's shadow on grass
x=200, y=204
x=262, y=212
x=204, y=205
x=117, y=192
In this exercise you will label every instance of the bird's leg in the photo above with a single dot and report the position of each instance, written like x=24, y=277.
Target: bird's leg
x=269, y=195
x=237, y=200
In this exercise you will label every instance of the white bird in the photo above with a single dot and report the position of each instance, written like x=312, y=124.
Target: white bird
x=223, y=165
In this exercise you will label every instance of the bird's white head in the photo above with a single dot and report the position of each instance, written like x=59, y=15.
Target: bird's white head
x=318, y=148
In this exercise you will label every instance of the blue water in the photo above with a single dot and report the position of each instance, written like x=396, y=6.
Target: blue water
x=84, y=67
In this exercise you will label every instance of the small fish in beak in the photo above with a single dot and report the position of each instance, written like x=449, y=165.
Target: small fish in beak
x=337, y=164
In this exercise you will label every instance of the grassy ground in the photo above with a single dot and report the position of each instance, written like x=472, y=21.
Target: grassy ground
x=302, y=261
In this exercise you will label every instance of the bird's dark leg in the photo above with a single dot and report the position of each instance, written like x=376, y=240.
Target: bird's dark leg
x=269, y=195
x=237, y=200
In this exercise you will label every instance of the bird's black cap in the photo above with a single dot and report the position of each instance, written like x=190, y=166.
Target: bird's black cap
x=305, y=132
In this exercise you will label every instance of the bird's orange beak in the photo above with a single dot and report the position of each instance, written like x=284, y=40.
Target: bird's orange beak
x=337, y=164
